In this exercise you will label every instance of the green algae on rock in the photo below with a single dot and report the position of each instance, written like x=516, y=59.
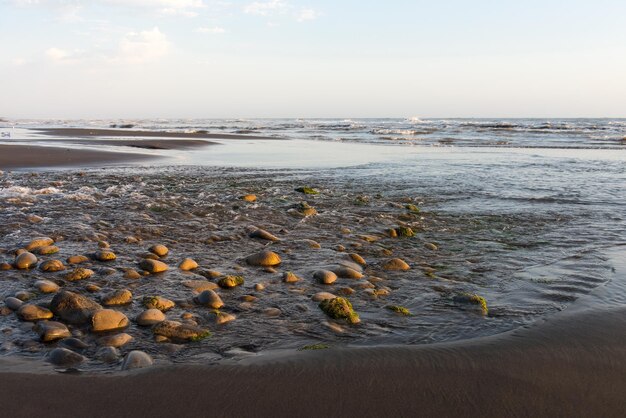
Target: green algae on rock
x=405, y=231
x=399, y=310
x=339, y=308
x=319, y=346
x=307, y=190
x=229, y=282
x=472, y=298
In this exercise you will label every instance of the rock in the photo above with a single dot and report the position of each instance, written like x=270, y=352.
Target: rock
x=150, y=256
x=64, y=357
x=339, y=308
x=105, y=255
x=73, y=308
x=325, y=276
x=357, y=259
x=188, y=264
x=52, y=266
x=23, y=295
x=222, y=318
x=401, y=310
x=290, y=277
x=209, y=298
x=307, y=190
x=131, y=240
x=431, y=246
x=51, y=331
x=79, y=274
x=210, y=274
x=347, y=273
x=259, y=287
x=158, y=302
x=136, y=360
x=304, y=209
x=159, y=249
x=46, y=286
x=32, y=312
x=392, y=233
x=108, y=354
x=77, y=259
x=103, y=244
x=5, y=266
x=264, y=235
x=117, y=340
x=150, y=317
x=47, y=250
x=405, y=232
x=25, y=261
x=13, y=303
x=248, y=198
x=117, y=297
x=132, y=274
x=153, y=266
x=264, y=259
x=38, y=243
x=108, y=320
x=180, y=332
x=34, y=219
x=200, y=285
x=74, y=344
x=229, y=282
x=308, y=243
x=472, y=299
x=369, y=238
x=320, y=296
x=272, y=312
x=93, y=288
x=396, y=264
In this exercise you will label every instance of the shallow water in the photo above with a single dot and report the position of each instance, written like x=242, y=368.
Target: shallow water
x=531, y=230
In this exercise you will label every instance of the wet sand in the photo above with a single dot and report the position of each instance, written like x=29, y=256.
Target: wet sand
x=87, y=132
x=34, y=156
x=567, y=366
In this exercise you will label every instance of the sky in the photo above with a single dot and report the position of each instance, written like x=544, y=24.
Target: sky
x=304, y=58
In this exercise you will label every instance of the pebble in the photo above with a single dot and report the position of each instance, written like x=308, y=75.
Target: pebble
x=263, y=234
x=32, y=312
x=272, y=312
x=51, y=331
x=77, y=259
x=357, y=259
x=108, y=354
x=23, y=295
x=79, y=273
x=159, y=249
x=47, y=250
x=150, y=317
x=25, y=260
x=105, y=255
x=222, y=318
x=259, y=287
x=117, y=297
x=188, y=264
x=249, y=198
x=108, y=320
x=290, y=277
x=209, y=298
x=39, y=242
x=5, y=266
x=137, y=360
x=396, y=264
x=132, y=274
x=64, y=357
x=181, y=332
x=200, y=285
x=158, y=302
x=46, y=286
x=73, y=343
x=92, y=288
x=347, y=273
x=73, y=307
x=431, y=246
x=117, y=340
x=264, y=259
x=103, y=244
x=153, y=266
x=320, y=296
x=325, y=276
x=230, y=282
x=52, y=266
x=13, y=303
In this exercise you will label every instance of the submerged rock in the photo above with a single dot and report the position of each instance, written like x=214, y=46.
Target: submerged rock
x=108, y=320
x=290, y=277
x=51, y=331
x=73, y=308
x=396, y=264
x=108, y=354
x=347, y=272
x=473, y=299
x=77, y=259
x=137, y=360
x=320, y=296
x=47, y=250
x=64, y=357
x=38, y=243
x=357, y=259
x=209, y=298
x=339, y=308
x=264, y=259
x=181, y=332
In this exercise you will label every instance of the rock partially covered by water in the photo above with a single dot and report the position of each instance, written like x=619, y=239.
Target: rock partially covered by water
x=357, y=259
x=290, y=277
x=65, y=358
x=153, y=266
x=209, y=298
x=73, y=308
x=47, y=250
x=51, y=331
x=347, y=272
x=158, y=302
x=180, y=332
x=117, y=297
x=339, y=308
x=25, y=260
x=32, y=312
x=77, y=259
x=117, y=340
x=188, y=264
x=396, y=264
x=264, y=259
x=159, y=249
x=136, y=360
x=325, y=276
x=105, y=255
x=320, y=296
x=13, y=303
x=150, y=317
x=78, y=274
x=263, y=234
x=108, y=354
x=472, y=299
x=52, y=266
x=229, y=282
x=248, y=198
x=38, y=243
x=46, y=286
x=108, y=320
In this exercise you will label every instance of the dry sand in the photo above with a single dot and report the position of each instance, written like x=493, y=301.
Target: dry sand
x=569, y=366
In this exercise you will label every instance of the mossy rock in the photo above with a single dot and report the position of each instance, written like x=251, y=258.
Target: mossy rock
x=399, y=310
x=229, y=282
x=307, y=190
x=405, y=231
x=157, y=302
x=412, y=208
x=339, y=308
x=314, y=347
x=474, y=299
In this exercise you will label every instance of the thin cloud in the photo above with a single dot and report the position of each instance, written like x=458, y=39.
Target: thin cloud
x=142, y=47
x=215, y=30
